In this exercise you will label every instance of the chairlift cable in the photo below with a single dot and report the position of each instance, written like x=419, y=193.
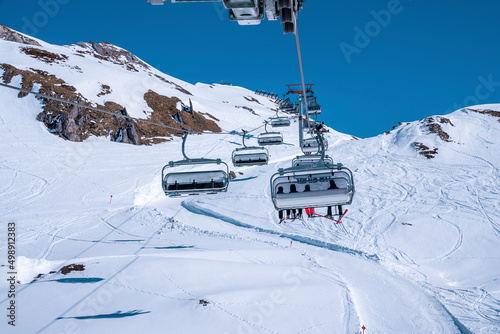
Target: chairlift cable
x=250, y=131
x=299, y=55
x=87, y=107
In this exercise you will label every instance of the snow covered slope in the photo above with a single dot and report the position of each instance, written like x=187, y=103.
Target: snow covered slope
x=418, y=251
x=103, y=75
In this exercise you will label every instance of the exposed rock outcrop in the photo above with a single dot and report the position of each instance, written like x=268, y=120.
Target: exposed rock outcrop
x=44, y=55
x=165, y=112
x=487, y=112
x=433, y=125
x=109, y=52
x=13, y=36
x=425, y=151
x=76, y=123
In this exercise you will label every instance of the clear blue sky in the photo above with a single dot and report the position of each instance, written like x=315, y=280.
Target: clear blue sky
x=425, y=58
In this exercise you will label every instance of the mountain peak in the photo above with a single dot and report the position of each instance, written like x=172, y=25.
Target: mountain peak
x=109, y=52
x=105, y=76
x=10, y=35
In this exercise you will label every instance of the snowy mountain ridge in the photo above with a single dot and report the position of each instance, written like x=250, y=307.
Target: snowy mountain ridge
x=103, y=75
x=101, y=248
x=437, y=135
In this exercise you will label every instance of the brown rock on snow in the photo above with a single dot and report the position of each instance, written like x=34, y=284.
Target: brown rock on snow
x=72, y=267
x=76, y=123
x=13, y=36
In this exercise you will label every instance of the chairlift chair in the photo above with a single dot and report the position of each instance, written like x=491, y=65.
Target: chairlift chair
x=209, y=176
x=294, y=109
x=280, y=122
x=312, y=187
x=250, y=156
x=284, y=107
x=270, y=138
x=311, y=146
x=313, y=107
x=310, y=125
x=287, y=106
x=311, y=160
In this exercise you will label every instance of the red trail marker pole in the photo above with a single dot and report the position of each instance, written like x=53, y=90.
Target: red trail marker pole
x=363, y=328
x=110, y=199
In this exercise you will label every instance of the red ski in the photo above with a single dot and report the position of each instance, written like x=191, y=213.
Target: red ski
x=339, y=221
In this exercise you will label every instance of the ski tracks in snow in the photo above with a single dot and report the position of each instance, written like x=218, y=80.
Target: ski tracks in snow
x=464, y=303
x=135, y=257
x=192, y=207
x=484, y=186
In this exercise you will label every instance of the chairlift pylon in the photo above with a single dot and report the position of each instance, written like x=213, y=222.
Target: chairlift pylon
x=194, y=182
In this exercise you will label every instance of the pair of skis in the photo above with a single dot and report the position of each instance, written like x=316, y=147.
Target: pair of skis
x=339, y=221
x=291, y=220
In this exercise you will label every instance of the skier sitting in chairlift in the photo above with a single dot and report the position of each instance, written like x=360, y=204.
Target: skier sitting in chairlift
x=329, y=210
x=280, y=212
x=293, y=189
x=309, y=211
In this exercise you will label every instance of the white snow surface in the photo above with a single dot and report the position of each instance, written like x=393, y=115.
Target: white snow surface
x=418, y=251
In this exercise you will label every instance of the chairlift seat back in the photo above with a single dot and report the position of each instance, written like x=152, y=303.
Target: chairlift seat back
x=312, y=124
x=314, y=111
x=250, y=156
x=311, y=146
x=320, y=191
x=311, y=161
x=280, y=122
x=195, y=182
x=270, y=138
x=204, y=176
x=314, y=108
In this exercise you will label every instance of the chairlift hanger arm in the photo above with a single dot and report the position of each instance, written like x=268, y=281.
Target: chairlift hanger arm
x=244, y=134
x=184, y=137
